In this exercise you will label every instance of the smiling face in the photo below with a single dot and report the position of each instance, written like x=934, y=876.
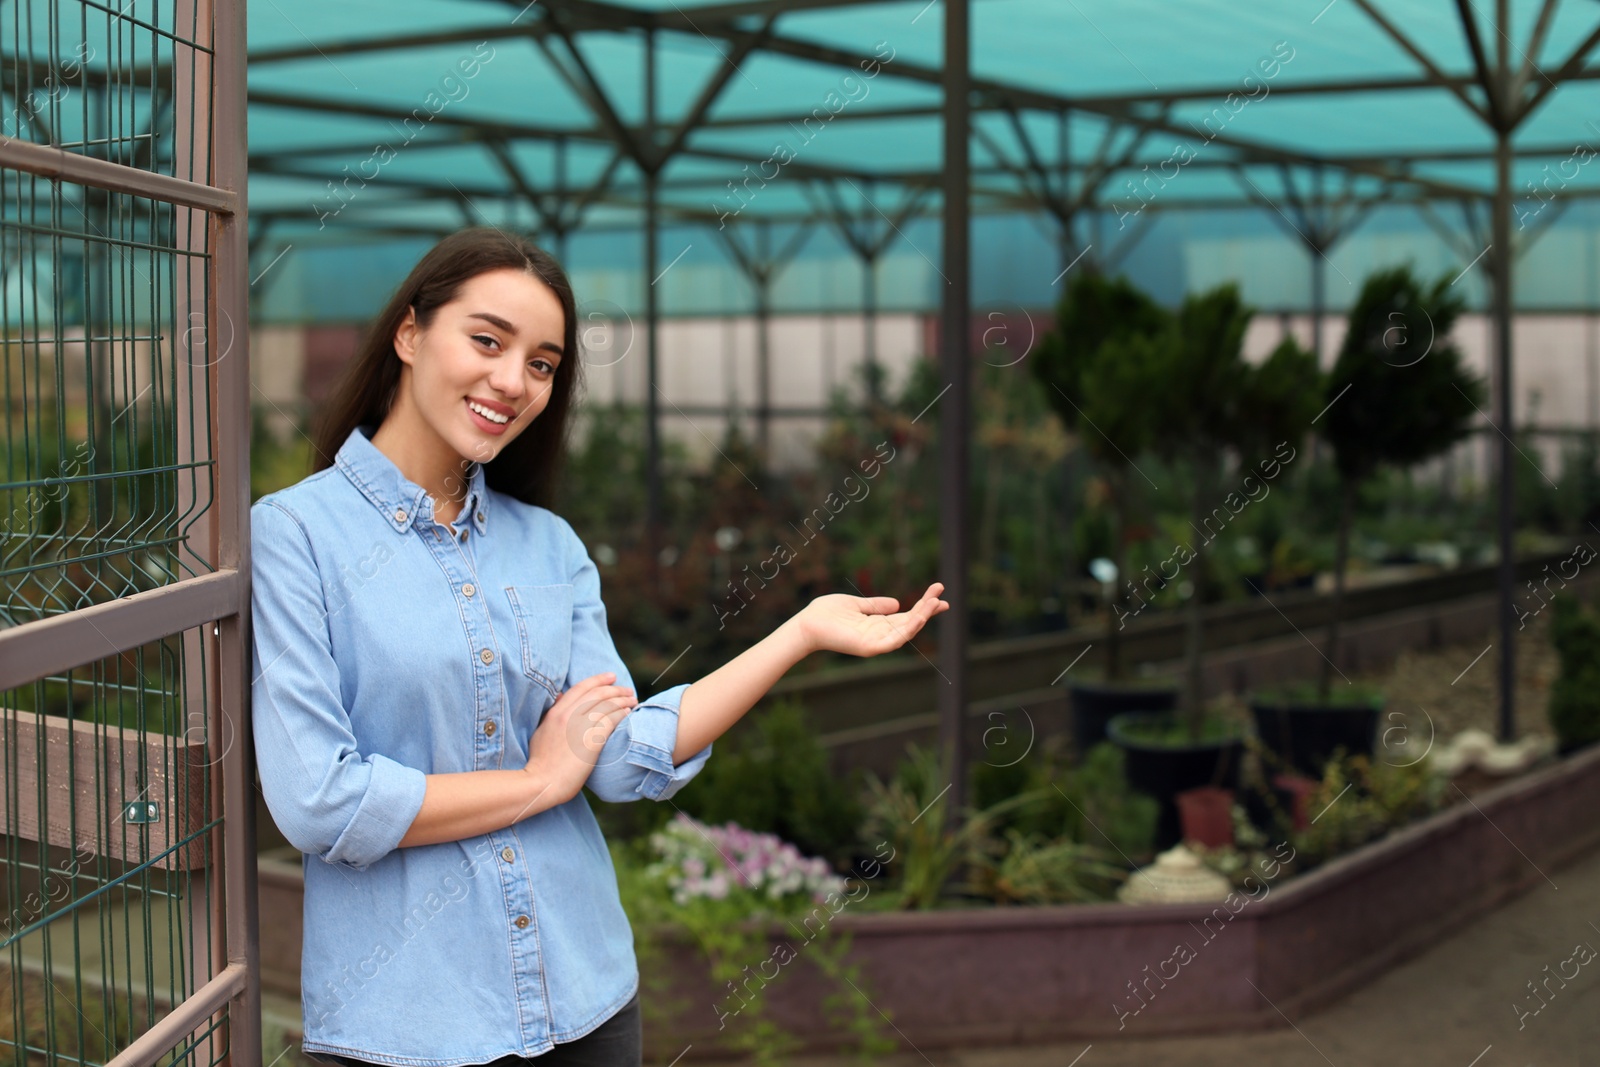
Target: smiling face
x=476, y=376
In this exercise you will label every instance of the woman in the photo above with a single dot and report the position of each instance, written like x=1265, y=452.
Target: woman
x=434, y=686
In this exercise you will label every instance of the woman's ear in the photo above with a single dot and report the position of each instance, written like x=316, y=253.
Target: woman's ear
x=405, y=337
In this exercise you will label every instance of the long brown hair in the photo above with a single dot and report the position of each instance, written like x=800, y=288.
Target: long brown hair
x=526, y=468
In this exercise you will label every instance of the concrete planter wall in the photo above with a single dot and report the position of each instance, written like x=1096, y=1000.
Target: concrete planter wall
x=1002, y=975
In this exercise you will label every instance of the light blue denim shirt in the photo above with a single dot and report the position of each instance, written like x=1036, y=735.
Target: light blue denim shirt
x=387, y=647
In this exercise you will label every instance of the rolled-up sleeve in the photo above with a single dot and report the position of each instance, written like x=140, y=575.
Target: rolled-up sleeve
x=636, y=760
x=327, y=798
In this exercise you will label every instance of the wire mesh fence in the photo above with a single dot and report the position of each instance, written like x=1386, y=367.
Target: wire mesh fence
x=108, y=460
x=110, y=81
x=107, y=811
x=123, y=931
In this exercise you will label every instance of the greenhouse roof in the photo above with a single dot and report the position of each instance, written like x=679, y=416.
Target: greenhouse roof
x=413, y=117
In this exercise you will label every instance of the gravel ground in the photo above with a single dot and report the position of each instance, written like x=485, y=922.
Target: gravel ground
x=1457, y=688
x=1435, y=694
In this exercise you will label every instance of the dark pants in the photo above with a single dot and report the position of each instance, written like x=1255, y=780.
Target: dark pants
x=617, y=1042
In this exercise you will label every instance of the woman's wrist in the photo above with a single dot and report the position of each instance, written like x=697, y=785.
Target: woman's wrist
x=793, y=636
x=538, y=790
x=461, y=804
x=714, y=703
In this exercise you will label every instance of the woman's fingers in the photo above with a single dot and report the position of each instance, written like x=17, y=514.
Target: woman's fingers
x=589, y=711
x=594, y=724
x=925, y=607
x=603, y=678
x=583, y=686
x=888, y=605
x=615, y=715
x=594, y=689
x=904, y=625
x=607, y=706
x=601, y=702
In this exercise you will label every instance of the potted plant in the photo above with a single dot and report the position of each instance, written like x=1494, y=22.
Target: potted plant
x=1220, y=407
x=1096, y=702
x=1211, y=405
x=1106, y=405
x=1206, y=813
x=1305, y=730
x=1397, y=395
x=1164, y=757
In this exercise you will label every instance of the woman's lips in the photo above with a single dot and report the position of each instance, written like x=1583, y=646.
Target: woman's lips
x=484, y=424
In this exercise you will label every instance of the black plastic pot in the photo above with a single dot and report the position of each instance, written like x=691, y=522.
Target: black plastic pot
x=1306, y=735
x=1094, y=705
x=1163, y=770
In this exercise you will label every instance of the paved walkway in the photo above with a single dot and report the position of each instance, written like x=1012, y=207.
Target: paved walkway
x=1453, y=1006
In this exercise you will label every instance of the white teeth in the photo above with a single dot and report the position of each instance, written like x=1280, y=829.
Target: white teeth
x=492, y=416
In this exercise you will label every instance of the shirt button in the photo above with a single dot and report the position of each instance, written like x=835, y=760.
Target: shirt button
x=399, y=516
x=463, y=536
x=468, y=589
x=488, y=728
x=522, y=922
x=487, y=655
x=506, y=854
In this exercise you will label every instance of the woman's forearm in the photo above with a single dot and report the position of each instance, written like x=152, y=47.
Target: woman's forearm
x=718, y=700
x=465, y=804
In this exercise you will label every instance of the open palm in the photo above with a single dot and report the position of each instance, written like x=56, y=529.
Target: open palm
x=866, y=625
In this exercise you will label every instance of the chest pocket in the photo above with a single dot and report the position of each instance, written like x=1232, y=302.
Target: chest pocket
x=544, y=629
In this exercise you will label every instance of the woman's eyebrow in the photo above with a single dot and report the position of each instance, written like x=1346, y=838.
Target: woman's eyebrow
x=494, y=320
x=497, y=321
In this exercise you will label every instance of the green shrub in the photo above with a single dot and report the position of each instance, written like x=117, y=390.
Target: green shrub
x=1035, y=870
x=775, y=778
x=1574, y=707
x=908, y=814
x=1111, y=813
x=995, y=782
x=1359, y=801
x=1090, y=804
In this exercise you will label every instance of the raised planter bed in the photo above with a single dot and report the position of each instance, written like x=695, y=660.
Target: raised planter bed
x=1024, y=974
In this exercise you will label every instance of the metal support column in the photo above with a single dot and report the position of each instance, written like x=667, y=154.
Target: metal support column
x=869, y=309
x=763, y=287
x=954, y=419
x=1319, y=269
x=1505, y=122
x=1503, y=406
x=652, y=310
x=232, y=756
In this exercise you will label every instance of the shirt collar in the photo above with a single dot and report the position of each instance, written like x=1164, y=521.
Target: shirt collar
x=401, y=500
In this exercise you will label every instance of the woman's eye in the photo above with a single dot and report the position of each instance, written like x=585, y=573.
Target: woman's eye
x=546, y=367
x=484, y=339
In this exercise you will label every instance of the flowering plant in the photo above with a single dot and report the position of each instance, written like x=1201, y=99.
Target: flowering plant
x=724, y=886
x=697, y=860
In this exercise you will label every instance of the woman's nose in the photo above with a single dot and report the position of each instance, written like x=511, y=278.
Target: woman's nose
x=507, y=380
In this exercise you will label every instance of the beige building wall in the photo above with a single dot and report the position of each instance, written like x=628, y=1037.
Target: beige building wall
x=277, y=377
